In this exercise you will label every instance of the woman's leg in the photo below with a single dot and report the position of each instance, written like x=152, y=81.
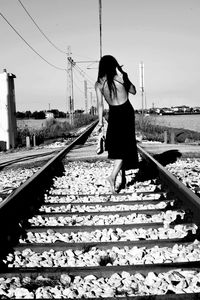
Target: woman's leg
x=123, y=182
x=112, y=178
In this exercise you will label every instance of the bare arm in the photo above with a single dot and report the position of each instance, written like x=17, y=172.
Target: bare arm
x=128, y=84
x=132, y=89
x=99, y=104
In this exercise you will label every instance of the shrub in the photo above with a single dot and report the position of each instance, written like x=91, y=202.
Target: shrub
x=52, y=129
x=21, y=135
x=83, y=119
x=148, y=128
x=153, y=132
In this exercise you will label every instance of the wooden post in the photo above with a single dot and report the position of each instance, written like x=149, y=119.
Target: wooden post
x=34, y=140
x=28, y=145
x=172, y=137
x=165, y=136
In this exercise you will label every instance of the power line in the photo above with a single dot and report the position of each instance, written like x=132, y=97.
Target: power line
x=77, y=68
x=30, y=45
x=83, y=56
x=76, y=73
x=83, y=73
x=41, y=29
x=78, y=87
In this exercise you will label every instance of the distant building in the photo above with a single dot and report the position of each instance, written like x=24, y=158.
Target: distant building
x=166, y=110
x=154, y=110
x=182, y=108
x=196, y=109
x=157, y=110
x=49, y=115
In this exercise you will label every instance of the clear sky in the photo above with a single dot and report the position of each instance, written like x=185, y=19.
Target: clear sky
x=164, y=34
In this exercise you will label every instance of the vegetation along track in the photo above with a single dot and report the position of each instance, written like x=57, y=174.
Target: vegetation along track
x=64, y=235
x=53, y=147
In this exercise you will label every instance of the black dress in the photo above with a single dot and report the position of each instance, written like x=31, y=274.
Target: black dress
x=120, y=136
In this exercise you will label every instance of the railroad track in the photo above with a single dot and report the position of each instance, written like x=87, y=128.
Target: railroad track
x=20, y=158
x=64, y=235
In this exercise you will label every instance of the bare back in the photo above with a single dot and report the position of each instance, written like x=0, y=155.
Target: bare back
x=121, y=96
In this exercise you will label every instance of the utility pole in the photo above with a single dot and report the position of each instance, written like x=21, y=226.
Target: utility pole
x=100, y=35
x=86, y=97
x=92, y=104
x=145, y=97
x=142, y=87
x=91, y=99
x=100, y=26
x=70, y=64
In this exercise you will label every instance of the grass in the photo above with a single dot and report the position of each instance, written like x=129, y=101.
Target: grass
x=52, y=129
x=147, y=126
x=151, y=131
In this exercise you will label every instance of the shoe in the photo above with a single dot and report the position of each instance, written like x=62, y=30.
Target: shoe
x=100, y=145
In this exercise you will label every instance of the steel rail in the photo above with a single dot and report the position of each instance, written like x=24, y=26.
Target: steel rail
x=190, y=199
x=27, y=197
x=180, y=191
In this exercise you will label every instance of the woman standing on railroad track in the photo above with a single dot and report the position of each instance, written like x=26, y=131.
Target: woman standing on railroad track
x=114, y=86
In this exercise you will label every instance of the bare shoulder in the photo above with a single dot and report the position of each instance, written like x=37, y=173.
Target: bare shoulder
x=97, y=85
x=119, y=78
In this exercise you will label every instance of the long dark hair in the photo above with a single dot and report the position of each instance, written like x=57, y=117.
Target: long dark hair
x=107, y=67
